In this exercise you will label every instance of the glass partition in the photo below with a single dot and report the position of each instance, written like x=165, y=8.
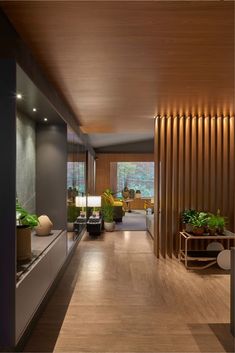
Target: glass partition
x=76, y=187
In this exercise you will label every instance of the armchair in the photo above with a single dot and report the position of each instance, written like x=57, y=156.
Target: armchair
x=118, y=210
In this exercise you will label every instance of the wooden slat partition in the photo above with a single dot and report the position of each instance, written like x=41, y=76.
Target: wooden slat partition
x=194, y=168
x=156, y=189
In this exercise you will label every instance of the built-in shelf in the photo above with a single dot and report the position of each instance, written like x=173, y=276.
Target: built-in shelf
x=38, y=277
x=39, y=245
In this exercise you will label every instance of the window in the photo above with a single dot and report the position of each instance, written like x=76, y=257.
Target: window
x=137, y=176
x=76, y=176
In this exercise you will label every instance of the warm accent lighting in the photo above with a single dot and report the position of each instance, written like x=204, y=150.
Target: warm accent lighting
x=94, y=201
x=19, y=96
x=80, y=201
x=34, y=109
x=45, y=119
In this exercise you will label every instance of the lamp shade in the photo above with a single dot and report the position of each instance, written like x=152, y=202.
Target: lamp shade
x=94, y=201
x=80, y=201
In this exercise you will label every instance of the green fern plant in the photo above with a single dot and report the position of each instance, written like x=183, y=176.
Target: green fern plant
x=24, y=218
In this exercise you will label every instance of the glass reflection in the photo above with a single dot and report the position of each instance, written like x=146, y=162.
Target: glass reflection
x=76, y=188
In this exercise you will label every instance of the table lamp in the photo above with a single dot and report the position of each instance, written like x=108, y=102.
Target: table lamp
x=94, y=201
x=80, y=201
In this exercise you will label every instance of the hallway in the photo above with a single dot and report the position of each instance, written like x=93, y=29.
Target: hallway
x=115, y=296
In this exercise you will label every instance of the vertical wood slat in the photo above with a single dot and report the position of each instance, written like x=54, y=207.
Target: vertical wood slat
x=162, y=238
x=175, y=189
x=169, y=186
x=156, y=186
x=206, y=163
x=219, y=163
x=187, y=178
x=232, y=173
x=194, y=164
x=212, y=201
x=197, y=170
x=225, y=156
x=181, y=163
x=200, y=179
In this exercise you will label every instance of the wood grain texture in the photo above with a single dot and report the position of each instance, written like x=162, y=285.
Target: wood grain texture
x=162, y=182
x=231, y=173
x=115, y=296
x=203, y=172
x=156, y=183
x=169, y=136
x=103, y=173
x=120, y=63
x=175, y=182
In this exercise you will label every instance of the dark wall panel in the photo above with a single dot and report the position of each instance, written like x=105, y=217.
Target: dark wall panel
x=7, y=202
x=51, y=173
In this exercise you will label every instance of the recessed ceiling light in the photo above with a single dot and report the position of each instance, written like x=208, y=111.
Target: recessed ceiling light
x=19, y=96
x=34, y=109
x=45, y=119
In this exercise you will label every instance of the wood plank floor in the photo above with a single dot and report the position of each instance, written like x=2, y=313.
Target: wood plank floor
x=115, y=296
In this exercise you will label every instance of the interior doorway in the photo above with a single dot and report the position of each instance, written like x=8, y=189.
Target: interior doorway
x=133, y=183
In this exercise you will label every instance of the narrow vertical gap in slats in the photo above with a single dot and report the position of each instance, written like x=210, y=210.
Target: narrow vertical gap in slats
x=206, y=163
x=194, y=164
x=163, y=188
x=219, y=164
x=212, y=190
x=157, y=186
x=225, y=191
x=181, y=163
x=187, y=176
x=169, y=236
x=175, y=189
x=232, y=174
x=200, y=172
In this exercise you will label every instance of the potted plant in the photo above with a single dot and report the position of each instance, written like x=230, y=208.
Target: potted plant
x=187, y=217
x=107, y=212
x=199, y=222
x=72, y=214
x=24, y=224
x=212, y=224
x=221, y=221
x=216, y=223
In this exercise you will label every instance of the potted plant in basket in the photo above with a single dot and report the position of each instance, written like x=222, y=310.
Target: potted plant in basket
x=199, y=222
x=186, y=219
x=24, y=224
x=107, y=213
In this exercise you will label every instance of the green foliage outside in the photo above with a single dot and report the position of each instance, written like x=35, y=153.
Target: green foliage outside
x=137, y=176
x=76, y=176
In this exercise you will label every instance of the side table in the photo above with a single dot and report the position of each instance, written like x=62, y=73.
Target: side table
x=94, y=225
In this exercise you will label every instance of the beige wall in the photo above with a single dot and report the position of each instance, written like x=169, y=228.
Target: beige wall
x=197, y=171
x=103, y=166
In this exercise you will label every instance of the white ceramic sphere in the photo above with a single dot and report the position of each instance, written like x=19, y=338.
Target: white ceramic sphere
x=215, y=245
x=224, y=259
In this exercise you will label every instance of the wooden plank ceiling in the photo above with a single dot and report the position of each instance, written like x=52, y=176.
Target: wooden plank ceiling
x=118, y=64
